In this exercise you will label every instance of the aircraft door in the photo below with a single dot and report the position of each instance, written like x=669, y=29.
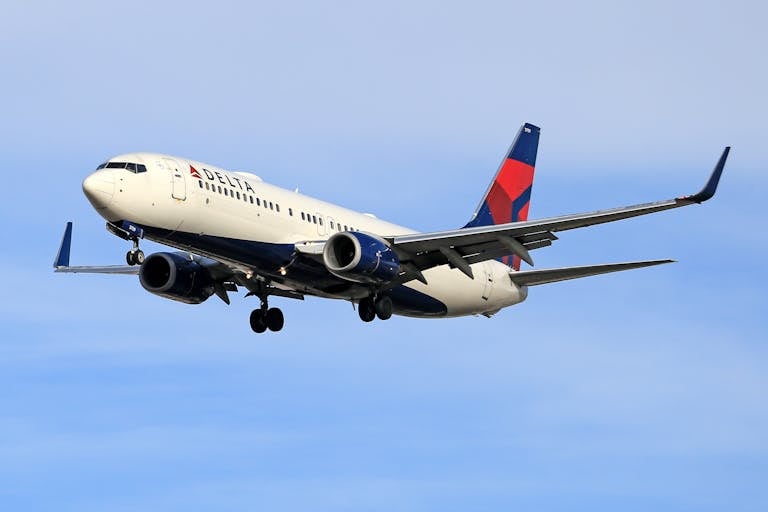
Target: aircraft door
x=320, y=224
x=178, y=182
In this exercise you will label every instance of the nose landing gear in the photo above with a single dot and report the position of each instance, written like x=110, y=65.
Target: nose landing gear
x=135, y=256
x=133, y=233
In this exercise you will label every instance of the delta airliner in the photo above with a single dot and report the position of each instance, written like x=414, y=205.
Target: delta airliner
x=233, y=230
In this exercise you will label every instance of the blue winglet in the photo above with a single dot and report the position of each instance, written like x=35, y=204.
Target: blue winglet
x=709, y=189
x=62, y=258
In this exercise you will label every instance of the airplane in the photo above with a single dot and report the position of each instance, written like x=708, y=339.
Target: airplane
x=233, y=230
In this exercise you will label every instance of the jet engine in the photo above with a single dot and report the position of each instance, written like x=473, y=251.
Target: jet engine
x=361, y=258
x=176, y=277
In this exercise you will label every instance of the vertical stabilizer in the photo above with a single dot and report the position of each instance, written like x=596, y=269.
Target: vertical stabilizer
x=509, y=195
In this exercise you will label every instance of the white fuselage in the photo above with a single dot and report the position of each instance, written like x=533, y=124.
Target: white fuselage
x=177, y=195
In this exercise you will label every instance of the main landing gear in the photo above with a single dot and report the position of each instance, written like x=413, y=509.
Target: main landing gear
x=266, y=318
x=372, y=307
x=135, y=256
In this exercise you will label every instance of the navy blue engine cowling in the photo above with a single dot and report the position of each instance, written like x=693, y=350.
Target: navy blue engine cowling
x=176, y=277
x=361, y=258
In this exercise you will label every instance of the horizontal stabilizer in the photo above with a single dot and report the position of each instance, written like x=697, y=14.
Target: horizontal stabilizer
x=552, y=275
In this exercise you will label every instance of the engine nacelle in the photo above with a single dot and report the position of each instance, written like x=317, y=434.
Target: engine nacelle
x=175, y=277
x=360, y=257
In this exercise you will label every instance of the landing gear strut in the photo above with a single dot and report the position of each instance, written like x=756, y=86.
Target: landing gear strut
x=266, y=318
x=135, y=256
x=370, y=308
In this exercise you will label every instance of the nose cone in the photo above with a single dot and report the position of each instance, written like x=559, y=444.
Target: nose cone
x=99, y=188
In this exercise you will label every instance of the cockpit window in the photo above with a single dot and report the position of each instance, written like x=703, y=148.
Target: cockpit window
x=130, y=166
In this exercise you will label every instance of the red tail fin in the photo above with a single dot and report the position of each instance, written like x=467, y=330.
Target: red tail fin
x=509, y=195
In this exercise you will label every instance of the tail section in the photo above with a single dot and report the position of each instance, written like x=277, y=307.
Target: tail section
x=509, y=195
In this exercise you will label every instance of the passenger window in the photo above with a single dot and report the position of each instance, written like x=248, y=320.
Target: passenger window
x=290, y=212
x=302, y=216
x=238, y=194
x=277, y=207
x=320, y=221
x=258, y=202
x=251, y=199
x=207, y=186
x=270, y=206
x=201, y=183
x=332, y=226
x=226, y=192
x=219, y=188
x=314, y=219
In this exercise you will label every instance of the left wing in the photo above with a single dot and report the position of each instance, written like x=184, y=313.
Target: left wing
x=462, y=247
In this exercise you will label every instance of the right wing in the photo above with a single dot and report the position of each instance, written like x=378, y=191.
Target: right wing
x=226, y=278
x=61, y=263
x=462, y=247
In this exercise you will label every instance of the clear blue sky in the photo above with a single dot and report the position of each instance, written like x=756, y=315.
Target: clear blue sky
x=638, y=391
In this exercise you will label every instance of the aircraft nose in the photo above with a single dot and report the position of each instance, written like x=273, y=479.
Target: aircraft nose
x=99, y=188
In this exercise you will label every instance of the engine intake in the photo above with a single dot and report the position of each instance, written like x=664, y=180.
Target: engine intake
x=176, y=277
x=361, y=258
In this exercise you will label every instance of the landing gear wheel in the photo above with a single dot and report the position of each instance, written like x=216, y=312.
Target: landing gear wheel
x=134, y=257
x=258, y=321
x=366, y=310
x=274, y=319
x=383, y=307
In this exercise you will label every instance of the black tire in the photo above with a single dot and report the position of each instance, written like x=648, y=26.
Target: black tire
x=138, y=257
x=275, y=319
x=129, y=259
x=384, y=308
x=258, y=321
x=366, y=310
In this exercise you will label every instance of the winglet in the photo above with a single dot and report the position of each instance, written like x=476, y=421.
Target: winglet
x=709, y=189
x=62, y=258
